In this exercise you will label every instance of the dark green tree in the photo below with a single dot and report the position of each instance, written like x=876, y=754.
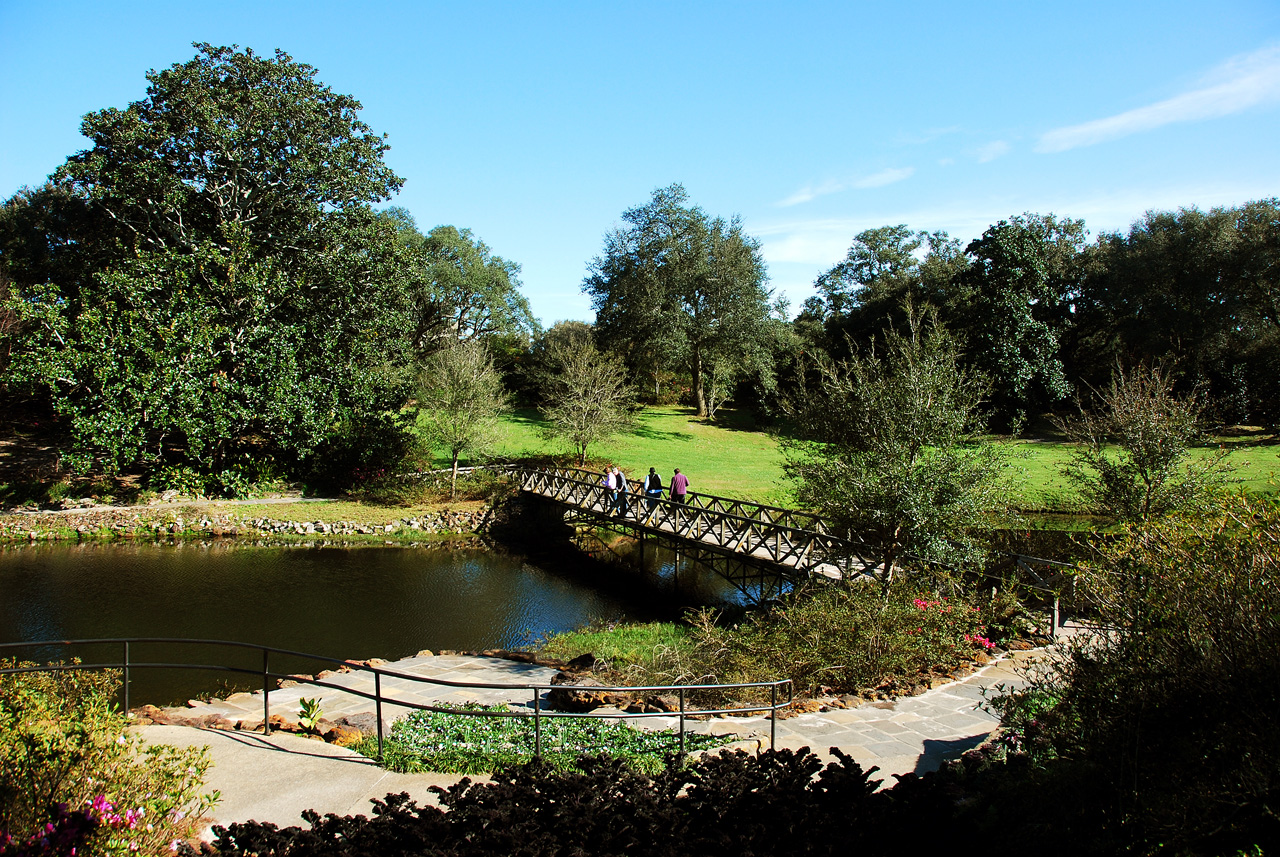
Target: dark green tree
x=883, y=274
x=229, y=291
x=1198, y=291
x=1018, y=293
x=464, y=292
x=227, y=146
x=678, y=288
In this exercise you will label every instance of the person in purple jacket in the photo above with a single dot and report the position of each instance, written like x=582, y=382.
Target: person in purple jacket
x=679, y=486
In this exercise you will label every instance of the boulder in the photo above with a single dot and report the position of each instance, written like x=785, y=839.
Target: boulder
x=586, y=663
x=366, y=723
x=663, y=702
x=577, y=694
x=343, y=735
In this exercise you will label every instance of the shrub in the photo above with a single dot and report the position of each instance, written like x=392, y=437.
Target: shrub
x=728, y=804
x=476, y=744
x=63, y=742
x=1172, y=712
x=847, y=638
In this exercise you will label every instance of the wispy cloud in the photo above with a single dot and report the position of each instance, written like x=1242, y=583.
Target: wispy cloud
x=884, y=177
x=1238, y=84
x=992, y=150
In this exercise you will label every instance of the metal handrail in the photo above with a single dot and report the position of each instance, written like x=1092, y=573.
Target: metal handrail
x=126, y=664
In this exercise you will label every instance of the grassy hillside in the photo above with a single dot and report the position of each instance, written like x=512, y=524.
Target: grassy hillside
x=735, y=459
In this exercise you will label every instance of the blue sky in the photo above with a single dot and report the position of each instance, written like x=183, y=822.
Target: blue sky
x=537, y=124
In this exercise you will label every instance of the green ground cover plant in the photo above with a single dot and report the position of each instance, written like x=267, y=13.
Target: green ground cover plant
x=639, y=648
x=64, y=744
x=476, y=744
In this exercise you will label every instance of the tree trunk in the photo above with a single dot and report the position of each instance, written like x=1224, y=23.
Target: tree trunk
x=695, y=370
x=453, y=481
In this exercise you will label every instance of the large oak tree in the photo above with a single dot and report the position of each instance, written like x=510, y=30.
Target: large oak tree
x=675, y=287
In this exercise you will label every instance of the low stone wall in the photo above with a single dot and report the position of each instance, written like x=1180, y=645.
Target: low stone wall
x=142, y=524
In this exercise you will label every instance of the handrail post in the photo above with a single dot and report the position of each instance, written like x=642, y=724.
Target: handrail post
x=773, y=714
x=377, y=700
x=125, y=712
x=266, y=694
x=537, y=724
x=682, y=721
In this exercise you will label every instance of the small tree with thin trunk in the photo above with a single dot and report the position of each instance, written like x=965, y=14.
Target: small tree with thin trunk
x=586, y=396
x=1132, y=459
x=460, y=397
x=887, y=449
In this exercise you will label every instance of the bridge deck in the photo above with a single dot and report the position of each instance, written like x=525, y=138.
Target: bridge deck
x=798, y=542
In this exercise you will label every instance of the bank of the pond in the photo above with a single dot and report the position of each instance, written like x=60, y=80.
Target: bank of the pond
x=218, y=521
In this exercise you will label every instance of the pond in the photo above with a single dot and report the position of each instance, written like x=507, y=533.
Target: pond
x=343, y=602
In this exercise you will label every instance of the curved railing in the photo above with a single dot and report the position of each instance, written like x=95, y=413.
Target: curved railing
x=379, y=698
x=794, y=539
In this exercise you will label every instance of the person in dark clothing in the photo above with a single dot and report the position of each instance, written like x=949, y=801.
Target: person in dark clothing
x=652, y=490
x=620, y=504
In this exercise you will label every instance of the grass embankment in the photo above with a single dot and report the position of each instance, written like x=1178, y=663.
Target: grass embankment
x=734, y=458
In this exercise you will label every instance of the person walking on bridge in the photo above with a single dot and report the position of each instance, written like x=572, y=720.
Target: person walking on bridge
x=620, y=504
x=653, y=491
x=679, y=487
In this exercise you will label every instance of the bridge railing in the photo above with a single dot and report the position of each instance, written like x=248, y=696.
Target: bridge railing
x=780, y=691
x=800, y=540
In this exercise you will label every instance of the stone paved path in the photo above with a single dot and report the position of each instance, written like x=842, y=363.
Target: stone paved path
x=274, y=778
x=909, y=734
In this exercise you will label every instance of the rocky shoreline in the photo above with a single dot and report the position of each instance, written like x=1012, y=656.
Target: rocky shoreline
x=90, y=524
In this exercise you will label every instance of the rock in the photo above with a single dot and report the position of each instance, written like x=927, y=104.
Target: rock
x=577, y=694
x=663, y=702
x=425, y=653
x=343, y=735
x=366, y=723
x=586, y=663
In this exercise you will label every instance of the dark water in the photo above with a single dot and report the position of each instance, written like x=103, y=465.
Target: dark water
x=363, y=602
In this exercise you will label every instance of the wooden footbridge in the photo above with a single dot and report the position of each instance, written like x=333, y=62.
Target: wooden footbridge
x=796, y=545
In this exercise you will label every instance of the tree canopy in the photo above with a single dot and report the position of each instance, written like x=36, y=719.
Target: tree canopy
x=676, y=287
x=163, y=295
x=229, y=145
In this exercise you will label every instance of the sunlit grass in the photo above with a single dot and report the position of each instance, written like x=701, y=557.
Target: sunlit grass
x=734, y=459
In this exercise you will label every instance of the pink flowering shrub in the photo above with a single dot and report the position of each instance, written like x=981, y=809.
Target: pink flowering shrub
x=62, y=742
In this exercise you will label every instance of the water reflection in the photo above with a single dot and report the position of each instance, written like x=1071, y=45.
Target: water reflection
x=343, y=602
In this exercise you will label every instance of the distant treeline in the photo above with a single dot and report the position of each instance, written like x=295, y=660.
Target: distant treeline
x=1046, y=313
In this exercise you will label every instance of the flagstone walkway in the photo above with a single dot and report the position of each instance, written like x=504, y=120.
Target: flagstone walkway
x=275, y=777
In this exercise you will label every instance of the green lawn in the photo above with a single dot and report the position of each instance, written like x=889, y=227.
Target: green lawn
x=734, y=459
x=730, y=459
